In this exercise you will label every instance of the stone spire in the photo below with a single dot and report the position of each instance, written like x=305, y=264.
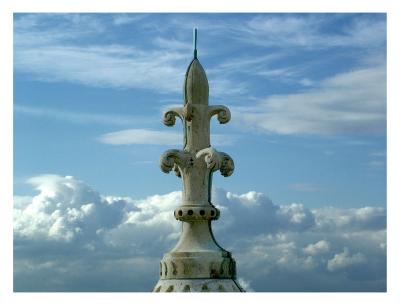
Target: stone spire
x=197, y=263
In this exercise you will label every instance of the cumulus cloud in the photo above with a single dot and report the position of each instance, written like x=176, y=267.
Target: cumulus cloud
x=64, y=210
x=345, y=259
x=321, y=246
x=81, y=240
x=361, y=219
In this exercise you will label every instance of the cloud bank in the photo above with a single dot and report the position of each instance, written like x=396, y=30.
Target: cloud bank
x=80, y=240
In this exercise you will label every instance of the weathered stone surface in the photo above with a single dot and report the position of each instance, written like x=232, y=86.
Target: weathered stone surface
x=197, y=263
x=198, y=285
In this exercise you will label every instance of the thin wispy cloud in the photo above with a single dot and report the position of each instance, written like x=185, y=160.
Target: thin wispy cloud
x=114, y=66
x=32, y=30
x=306, y=31
x=141, y=136
x=348, y=103
x=124, y=19
x=155, y=137
x=55, y=55
x=377, y=164
x=291, y=30
x=245, y=64
x=378, y=154
x=173, y=44
x=304, y=187
x=79, y=117
x=377, y=161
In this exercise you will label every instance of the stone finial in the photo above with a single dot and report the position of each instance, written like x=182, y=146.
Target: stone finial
x=197, y=262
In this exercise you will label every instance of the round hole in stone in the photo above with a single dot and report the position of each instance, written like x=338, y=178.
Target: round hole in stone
x=180, y=213
x=212, y=212
x=204, y=287
x=202, y=212
x=190, y=212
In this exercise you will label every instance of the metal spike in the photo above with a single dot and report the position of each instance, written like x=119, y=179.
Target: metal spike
x=195, y=43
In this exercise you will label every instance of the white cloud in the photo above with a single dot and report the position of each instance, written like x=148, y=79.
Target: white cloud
x=345, y=259
x=245, y=64
x=307, y=31
x=79, y=117
x=321, y=246
x=297, y=214
x=353, y=102
x=30, y=29
x=76, y=238
x=222, y=86
x=141, y=136
x=245, y=284
x=154, y=137
x=103, y=66
x=56, y=54
x=64, y=210
x=124, y=19
x=282, y=30
x=173, y=44
x=360, y=219
x=306, y=82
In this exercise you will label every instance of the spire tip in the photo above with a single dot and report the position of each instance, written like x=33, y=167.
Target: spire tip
x=195, y=43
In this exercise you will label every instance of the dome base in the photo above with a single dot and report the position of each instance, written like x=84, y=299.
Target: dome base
x=197, y=285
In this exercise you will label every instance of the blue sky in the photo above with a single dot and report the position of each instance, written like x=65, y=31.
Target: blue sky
x=308, y=131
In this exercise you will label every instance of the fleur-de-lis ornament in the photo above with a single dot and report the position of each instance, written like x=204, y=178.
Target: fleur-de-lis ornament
x=197, y=263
